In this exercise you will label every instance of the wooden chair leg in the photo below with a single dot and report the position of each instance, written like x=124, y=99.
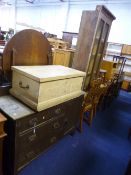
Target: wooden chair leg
x=90, y=117
x=95, y=107
x=81, y=120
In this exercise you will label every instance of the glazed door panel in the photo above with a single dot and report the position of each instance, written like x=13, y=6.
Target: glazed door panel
x=100, y=52
x=91, y=72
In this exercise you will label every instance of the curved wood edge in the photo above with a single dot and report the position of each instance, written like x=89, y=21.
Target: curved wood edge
x=2, y=118
x=27, y=47
x=3, y=135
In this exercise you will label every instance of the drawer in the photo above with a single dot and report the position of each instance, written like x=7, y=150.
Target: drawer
x=73, y=109
x=33, y=142
x=72, y=116
x=38, y=118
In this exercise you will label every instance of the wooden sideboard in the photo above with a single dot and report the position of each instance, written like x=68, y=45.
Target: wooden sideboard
x=32, y=134
x=2, y=135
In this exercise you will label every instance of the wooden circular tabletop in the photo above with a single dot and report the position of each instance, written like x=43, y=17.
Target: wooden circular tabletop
x=27, y=47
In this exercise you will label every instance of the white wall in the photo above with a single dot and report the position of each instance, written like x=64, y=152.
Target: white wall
x=7, y=19
x=66, y=17
x=120, y=30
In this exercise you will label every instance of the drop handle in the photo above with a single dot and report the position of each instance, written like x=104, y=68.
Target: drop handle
x=53, y=139
x=56, y=125
x=58, y=111
x=33, y=122
x=24, y=87
x=32, y=137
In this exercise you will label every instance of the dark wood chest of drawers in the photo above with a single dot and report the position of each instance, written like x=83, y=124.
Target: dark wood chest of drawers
x=30, y=135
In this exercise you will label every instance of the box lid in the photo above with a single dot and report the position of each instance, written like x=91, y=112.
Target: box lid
x=48, y=72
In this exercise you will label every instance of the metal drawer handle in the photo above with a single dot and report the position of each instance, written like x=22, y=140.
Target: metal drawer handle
x=24, y=87
x=56, y=125
x=58, y=111
x=30, y=154
x=53, y=139
x=32, y=137
x=33, y=122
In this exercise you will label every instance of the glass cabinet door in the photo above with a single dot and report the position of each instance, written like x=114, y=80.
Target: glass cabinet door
x=100, y=52
x=95, y=53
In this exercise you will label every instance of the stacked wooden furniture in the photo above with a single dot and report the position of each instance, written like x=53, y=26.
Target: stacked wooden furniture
x=63, y=57
x=58, y=44
x=52, y=99
x=93, y=35
x=2, y=135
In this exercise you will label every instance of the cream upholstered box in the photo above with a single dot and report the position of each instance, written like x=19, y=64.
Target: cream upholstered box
x=41, y=87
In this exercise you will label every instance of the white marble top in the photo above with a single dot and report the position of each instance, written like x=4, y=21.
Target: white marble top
x=48, y=72
x=13, y=107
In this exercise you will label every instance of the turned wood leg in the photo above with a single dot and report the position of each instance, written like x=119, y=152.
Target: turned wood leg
x=91, y=117
x=81, y=120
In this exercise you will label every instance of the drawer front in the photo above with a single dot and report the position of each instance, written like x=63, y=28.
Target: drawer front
x=38, y=118
x=72, y=115
x=30, y=144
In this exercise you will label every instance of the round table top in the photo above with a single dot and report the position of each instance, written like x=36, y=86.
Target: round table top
x=27, y=47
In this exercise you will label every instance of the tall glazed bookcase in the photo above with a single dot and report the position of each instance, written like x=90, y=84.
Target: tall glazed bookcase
x=93, y=34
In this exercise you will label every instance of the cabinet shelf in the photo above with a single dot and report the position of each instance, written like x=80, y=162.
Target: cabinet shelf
x=124, y=51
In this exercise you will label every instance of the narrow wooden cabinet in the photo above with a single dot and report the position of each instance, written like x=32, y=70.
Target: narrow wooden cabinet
x=2, y=135
x=93, y=34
